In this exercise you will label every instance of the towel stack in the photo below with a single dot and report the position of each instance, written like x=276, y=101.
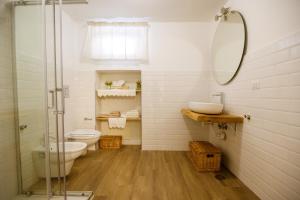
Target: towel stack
x=117, y=122
x=118, y=83
x=131, y=114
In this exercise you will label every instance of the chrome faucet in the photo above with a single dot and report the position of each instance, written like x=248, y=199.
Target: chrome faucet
x=219, y=94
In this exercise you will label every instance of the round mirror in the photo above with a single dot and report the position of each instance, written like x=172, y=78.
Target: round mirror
x=228, y=47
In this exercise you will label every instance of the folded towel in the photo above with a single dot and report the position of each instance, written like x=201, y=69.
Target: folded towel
x=131, y=113
x=118, y=83
x=117, y=122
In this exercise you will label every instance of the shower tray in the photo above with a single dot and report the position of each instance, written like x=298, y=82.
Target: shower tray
x=70, y=196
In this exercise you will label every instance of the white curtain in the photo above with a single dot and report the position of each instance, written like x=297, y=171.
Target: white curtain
x=116, y=41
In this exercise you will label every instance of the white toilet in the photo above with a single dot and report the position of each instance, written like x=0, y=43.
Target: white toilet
x=88, y=136
x=72, y=151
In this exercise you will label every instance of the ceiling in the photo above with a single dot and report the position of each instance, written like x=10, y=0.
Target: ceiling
x=153, y=10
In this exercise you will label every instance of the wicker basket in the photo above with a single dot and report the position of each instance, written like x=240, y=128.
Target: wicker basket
x=205, y=156
x=110, y=142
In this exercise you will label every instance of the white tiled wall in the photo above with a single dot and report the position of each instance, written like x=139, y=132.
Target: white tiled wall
x=176, y=73
x=81, y=102
x=81, y=81
x=165, y=93
x=265, y=152
x=8, y=169
x=31, y=113
x=30, y=87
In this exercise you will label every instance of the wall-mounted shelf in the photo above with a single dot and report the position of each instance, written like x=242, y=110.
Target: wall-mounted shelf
x=125, y=98
x=221, y=118
x=127, y=119
x=116, y=93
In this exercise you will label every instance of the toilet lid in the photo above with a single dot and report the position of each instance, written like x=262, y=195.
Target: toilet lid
x=83, y=133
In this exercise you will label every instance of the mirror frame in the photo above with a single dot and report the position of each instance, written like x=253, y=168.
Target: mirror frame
x=243, y=53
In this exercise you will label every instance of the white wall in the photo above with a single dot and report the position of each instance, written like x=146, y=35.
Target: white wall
x=267, y=20
x=81, y=82
x=177, y=72
x=30, y=86
x=8, y=169
x=81, y=103
x=264, y=153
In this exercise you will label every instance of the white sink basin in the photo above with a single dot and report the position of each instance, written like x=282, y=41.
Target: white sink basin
x=206, y=108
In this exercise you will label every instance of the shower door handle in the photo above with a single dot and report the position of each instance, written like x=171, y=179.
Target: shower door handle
x=62, y=98
x=51, y=92
x=22, y=127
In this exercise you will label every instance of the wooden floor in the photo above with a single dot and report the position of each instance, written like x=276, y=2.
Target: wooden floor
x=133, y=174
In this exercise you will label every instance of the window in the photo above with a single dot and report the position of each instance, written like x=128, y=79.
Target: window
x=117, y=41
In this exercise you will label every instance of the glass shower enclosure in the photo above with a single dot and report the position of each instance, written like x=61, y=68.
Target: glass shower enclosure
x=39, y=98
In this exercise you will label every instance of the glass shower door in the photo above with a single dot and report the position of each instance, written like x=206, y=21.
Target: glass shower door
x=39, y=98
x=56, y=97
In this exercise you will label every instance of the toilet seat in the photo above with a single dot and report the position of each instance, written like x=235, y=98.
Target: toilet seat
x=83, y=134
x=88, y=136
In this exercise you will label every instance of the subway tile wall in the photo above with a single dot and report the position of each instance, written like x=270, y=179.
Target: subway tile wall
x=164, y=94
x=30, y=84
x=81, y=101
x=8, y=169
x=265, y=152
x=177, y=73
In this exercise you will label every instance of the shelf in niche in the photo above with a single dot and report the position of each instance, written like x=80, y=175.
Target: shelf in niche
x=117, y=93
x=127, y=119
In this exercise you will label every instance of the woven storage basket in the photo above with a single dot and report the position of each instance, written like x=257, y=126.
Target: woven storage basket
x=205, y=156
x=110, y=142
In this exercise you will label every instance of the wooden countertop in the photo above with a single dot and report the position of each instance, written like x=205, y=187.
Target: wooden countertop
x=220, y=118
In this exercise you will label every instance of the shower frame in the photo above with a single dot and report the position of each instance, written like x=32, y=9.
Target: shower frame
x=58, y=96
